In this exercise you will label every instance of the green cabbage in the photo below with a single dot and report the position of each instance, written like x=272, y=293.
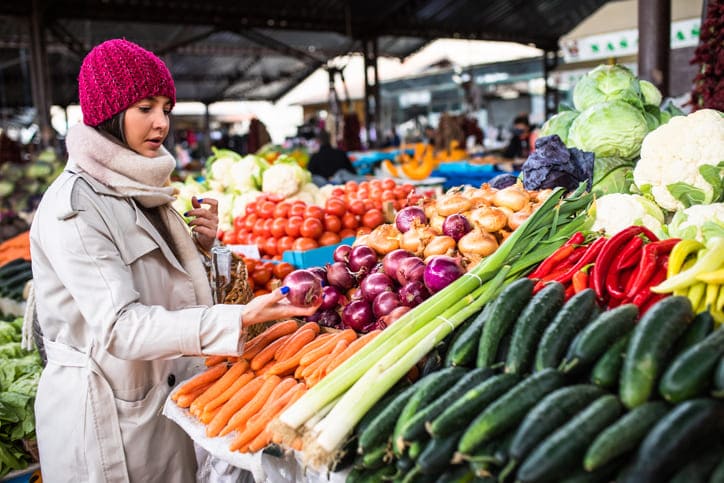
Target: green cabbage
x=612, y=175
x=652, y=95
x=607, y=83
x=609, y=129
x=559, y=124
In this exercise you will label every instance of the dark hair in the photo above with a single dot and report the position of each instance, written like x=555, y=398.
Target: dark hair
x=323, y=137
x=114, y=128
x=521, y=119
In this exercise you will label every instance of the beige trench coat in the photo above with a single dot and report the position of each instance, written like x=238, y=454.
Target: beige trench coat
x=117, y=313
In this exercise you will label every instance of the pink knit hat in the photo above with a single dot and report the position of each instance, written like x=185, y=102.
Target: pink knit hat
x=115, y=75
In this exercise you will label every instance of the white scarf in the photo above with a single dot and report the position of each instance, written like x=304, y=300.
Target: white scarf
x=146, y=181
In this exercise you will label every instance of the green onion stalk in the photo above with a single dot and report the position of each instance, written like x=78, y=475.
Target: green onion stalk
x=364, y=378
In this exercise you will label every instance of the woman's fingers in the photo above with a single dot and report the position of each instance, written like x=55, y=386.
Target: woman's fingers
x=273, y=306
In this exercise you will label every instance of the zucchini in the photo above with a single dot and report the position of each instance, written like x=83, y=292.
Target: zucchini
x=650, y=346
x=428, y=389
x=461, y=412
x=700, y=468
x=504, y=310
x=690, y=374
x=700, y=327
x=549, y=414
x=507, y=411
x=569, y=321
x=438, y=454
x=607, y=370
x=380, y=428
x=687, y=429
x=600, y=334
x=464, y=346
x=561, y=452
x=624, y=435
x=530, y=326
x=456, y=474
x=415, y=427
x=719, y=379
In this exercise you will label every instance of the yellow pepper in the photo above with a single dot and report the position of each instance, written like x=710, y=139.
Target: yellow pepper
x=679, y=254
x=717, y=276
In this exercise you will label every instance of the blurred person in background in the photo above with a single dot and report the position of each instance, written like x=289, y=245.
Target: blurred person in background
x=519, y=146
x=330, y=164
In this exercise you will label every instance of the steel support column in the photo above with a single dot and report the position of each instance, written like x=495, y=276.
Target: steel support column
x=207, y=131
x=550, y=95
x=372, y=92
x=654, y=42
x=39, y=73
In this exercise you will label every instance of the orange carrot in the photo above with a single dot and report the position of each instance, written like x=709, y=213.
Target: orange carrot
x=298, y=372
x=267, y=353
x=217, y=388
x=297, y=443
x=295, y=343
x=259, y=443
x=309, y=370
x=208, y=376
x=238, y=419
x=348, y=334
x=233, y=405
x=352, y=348
x=208, y=415
x=229, y=393
x=266, y=436
x=185, y=400
x=318, y=341
x=338, y=349
x=253, y=346
x=213, y=360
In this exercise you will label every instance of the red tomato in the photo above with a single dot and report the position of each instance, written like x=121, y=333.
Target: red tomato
x=238, y=223
x=284, y=244
x=243, y=238
x=346, y=233
x=270, y=246
x=311, y=228
x=369, y=205
x=350, y=221
x=281, y=270
x=303, y=244
x=250, y=221
x=314, y=211
x=335, y=206
x=250, y=264
x=281, y=210
x=375, y=194
x=388, y=195
x=364, y=185
x=332, y=223
x=294, y=223
x=338, y=192
x=356, y=207
x=376, y=183
x=388, y=184
x=328, y=238
x=400, y=192
x=373, y=218
x=261, y=274
x=363, y=230
x=258, y=227
x=297, y=208
x=266, y=227
x=250, y=208
x=266, y=209
x=351, y=186
x=260, y=291
x=279, y=227
x=229, y=238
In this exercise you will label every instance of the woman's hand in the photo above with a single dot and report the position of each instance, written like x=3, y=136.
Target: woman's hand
x=205, y=224
x=273, y=306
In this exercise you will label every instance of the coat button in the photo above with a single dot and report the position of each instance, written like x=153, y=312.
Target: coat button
x=171, y=380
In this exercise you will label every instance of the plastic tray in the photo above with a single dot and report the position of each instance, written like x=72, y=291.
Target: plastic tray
x=317, y=257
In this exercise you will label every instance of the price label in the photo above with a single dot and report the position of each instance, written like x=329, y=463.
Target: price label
x=248, y=251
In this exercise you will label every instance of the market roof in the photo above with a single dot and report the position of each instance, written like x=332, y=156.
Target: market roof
x=238, y=50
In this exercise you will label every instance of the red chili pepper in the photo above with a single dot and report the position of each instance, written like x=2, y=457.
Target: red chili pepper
x=641, y=296
x=570, y=292
x=565, y=251
x=588, y=257
x=651, y=300
x=664, y=246
x=609, y=252
x=630, y=255
x=614, y=285
x=647, y=268
x=580, y=281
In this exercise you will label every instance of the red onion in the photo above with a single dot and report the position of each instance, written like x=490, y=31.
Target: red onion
x=341, y=253
x=413, y=293
x=440, y=271
x=455, y=226
x=319, y=272
x=384, y=303
x=330, y=297
x=392, y=260
x=339, y=276
x=305, y=288
x=409, y=217
x=329, y=318
x=374, y=284
x=410, y=270
x=362, y=259
x=357, y=315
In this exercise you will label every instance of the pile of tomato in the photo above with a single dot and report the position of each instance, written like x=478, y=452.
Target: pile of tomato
x=277, y=225
x=264, y=276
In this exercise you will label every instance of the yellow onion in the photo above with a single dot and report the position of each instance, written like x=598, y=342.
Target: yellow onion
x=384, y=239
x=513, y=197
x=436, y=223
x=415, y=240
x=489, y=218
x=477, y=242
x=452, y=204
x=439, y=245
x=515, y=219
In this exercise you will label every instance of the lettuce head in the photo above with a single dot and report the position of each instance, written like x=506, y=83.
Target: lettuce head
x=612, y=175
x=559, y=125
x=651, y=94
x=607, y=83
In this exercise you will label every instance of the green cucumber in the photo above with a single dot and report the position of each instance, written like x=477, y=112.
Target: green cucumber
x=358, y=475
x=14, y=267
x=374, y=458
x=432, y=363
x=700, y=468
x=416, y=447
x=505, y=309
x=530, y=326
x=691, y=373
x=600, y=334
x=428, y=389
x=503, y=348
x=380, y=428
x=417, y=476
x=456, y=474
x=438, y=453
x=681, y=434
x=549, y=414
x=494, y=452
x=381, y=405
x=607, y=370
x=404, y=464
x=624, y=435
x=507, y=411
x=561, y=452
x=604, y=474
x=461, y=412
x=718, y=381
x=650, y=347
x=700, y=327
x=717, y=476
x=415, y=427
x=464, y=346
x=569, y=321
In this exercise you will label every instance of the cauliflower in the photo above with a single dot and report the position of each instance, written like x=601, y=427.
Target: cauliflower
x=698, y=222
x=682, y=162
x=617, y=211
x=285, y=177
x=246, y=174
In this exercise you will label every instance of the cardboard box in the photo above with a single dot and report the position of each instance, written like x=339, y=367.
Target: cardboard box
x=317, y=257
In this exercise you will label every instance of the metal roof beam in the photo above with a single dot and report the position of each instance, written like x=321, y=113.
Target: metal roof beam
x=170, y=48
x=274, y=44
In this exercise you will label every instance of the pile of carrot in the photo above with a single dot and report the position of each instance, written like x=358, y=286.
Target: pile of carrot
x=15, y=247
x=243, y=394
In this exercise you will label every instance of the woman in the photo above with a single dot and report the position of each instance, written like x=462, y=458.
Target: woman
x=121, y=291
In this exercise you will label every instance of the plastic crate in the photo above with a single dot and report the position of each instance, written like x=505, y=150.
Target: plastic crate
x=317, y=257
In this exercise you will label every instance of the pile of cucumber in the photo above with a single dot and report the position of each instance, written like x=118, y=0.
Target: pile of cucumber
x=13, y=277
x=535, y=389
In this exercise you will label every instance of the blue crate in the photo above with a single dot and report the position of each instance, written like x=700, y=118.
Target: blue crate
x=317, y=257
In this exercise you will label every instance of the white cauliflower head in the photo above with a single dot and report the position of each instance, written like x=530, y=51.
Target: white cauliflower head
x=682, y=161
x=617, y=211
x=698, y=222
